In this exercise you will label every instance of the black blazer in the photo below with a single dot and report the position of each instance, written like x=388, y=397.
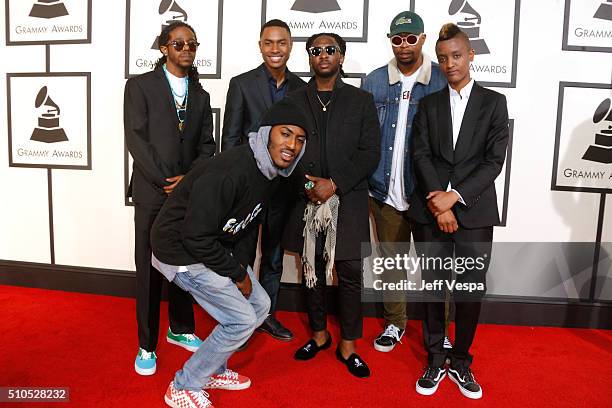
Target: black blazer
x=248, y=98
x=352, y=152
x=474, y=164
x=152, y=136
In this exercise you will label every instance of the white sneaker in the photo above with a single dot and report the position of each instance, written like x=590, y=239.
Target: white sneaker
x=229, y=380
x=186, y=399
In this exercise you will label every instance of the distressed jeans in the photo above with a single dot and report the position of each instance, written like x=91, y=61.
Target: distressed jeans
x=236, y=315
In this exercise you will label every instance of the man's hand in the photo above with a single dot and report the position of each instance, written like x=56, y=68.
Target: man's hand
x=174, y=180
x=447, y=222
x=321, y=192
x=441, y=201
x=245, y=286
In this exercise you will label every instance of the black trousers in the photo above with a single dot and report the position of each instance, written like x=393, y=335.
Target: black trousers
x=149, y=286
x=432, y=243
x=271, y=267
x=350, y=314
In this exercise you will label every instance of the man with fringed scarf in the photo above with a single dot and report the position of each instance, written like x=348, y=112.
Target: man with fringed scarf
x=329, y=220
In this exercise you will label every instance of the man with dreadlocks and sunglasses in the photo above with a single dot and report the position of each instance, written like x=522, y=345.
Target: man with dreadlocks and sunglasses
x=328, y=221
x=168, y=128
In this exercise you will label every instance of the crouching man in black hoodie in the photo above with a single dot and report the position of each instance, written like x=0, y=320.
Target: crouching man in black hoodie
x=203, y=237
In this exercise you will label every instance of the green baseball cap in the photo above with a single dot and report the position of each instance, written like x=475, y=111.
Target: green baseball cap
x=406, y=22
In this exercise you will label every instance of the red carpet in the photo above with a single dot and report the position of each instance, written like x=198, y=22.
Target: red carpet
x=88, y=343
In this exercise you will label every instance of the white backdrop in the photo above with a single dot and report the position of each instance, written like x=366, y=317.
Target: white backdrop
x=92, y=226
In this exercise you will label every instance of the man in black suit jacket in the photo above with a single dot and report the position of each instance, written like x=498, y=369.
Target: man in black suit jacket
x=341, y=154
x=249, y=96
x=168, y=127
x=459, y=148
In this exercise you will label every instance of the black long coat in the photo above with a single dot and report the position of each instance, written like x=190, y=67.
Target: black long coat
x=352, y=152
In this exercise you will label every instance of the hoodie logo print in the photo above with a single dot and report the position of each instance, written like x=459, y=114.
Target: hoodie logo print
x=232, y=225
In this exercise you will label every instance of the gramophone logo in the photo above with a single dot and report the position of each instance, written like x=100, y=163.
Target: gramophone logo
x=48, y=129
x=30, y=22
x=170, y=12
x=491, y=26
x=348, y=18
x=601, y=151
x=147, y=18
x=469, y=20
x=49, y=120
x=48, y=9
x=604, y=11
x=315, y=6
x=587, y=25
x=583, y=142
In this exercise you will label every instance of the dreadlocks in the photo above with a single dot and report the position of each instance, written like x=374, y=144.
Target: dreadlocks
x=164, y=36
x=339, y=40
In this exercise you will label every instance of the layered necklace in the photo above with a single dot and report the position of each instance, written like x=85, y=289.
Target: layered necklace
x=181, y=107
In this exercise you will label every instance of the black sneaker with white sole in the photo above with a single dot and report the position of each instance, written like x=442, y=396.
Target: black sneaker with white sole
x=388, y=338
x=466, y=382
x=429, y=381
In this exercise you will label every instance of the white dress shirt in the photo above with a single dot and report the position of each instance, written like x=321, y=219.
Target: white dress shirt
x=458, y=104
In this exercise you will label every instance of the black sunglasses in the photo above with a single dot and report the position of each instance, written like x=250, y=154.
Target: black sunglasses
x=329, y=50
x=180, y=45
x=410, y=39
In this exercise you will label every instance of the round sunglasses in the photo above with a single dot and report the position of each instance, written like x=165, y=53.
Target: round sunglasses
x=398, y=40
x=179, y=45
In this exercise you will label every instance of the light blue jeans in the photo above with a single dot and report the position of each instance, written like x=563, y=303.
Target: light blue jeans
x=237, y=316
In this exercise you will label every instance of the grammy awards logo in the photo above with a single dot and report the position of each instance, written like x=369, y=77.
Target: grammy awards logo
x=469, y=20
x=48, y=129
x=601, y=151
x=48, y=9
x=604, y=11
x=170, y=12
x=315, y=6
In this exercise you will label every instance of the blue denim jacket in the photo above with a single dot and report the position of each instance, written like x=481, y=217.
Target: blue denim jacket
x=384, y=83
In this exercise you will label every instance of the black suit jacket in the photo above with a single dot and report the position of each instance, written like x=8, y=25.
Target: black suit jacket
x=471, y=167
x=352, y=152
x=248, y=98
x=152, y=136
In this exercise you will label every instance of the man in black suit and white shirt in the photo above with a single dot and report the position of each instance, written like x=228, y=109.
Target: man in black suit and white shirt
x=168, y=127
x=249, y=96
x=459, y=147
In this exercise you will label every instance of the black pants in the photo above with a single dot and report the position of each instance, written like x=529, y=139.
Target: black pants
x=271, y=267
x=349, y=296
x=149, y=286
x=433, y=243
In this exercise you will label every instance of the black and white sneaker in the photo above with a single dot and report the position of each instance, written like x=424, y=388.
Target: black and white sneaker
x=388, y=338
x=466, y=383
x=429, y=381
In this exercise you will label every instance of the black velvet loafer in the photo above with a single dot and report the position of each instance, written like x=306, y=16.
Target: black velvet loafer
x=354, y=364
x=310, y=349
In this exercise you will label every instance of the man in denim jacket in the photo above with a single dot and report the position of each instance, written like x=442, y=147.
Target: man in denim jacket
x=397, y=88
